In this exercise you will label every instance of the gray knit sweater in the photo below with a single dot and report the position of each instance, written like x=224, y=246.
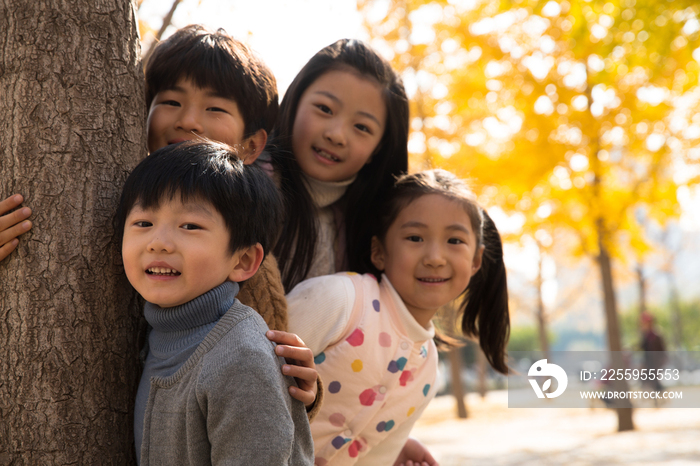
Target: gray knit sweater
x=227, y=401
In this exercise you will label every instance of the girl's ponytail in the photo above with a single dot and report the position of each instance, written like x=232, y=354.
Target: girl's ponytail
x=485, y=303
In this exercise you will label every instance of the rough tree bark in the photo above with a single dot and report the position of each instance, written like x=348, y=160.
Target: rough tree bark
x=72, y=127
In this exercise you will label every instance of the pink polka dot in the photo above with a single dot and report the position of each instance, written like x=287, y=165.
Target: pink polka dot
x=337, y=419
x=406, y=376
x=384, y=340
x=378, y=389
x=356, y=338
x=367, y=397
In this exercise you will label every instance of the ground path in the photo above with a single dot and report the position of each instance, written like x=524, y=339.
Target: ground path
x=496, y=435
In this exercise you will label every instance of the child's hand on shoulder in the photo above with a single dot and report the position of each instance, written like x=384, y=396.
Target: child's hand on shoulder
x=300, y=365
x=12, y=224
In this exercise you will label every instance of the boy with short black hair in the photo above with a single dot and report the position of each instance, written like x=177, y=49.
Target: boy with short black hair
x=207, y=85
x=194, y=223
x=195, y=72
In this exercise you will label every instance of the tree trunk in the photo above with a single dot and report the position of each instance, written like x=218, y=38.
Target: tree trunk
x=167, y=19
x=541, y=318
x=73, y=126
x=674, y=304
x=642, y=284
x=456, y=381
x=624, y=415
x=482, y=367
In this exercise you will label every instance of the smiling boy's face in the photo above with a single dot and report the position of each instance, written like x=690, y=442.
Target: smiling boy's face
x=188, y=112
x=177, y=251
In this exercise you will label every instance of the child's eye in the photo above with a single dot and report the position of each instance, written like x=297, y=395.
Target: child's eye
x=171, y=103
x=363, y=128
x=217, y=109
x=455, y=241
x=324, y=109
x=143, y=224
x=191, y=226
x=415, y=239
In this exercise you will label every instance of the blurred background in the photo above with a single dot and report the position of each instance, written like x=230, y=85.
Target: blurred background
x=577, y=123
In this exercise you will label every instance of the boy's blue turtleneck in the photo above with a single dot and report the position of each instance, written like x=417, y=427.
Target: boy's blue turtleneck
x=181, y=328
x=175, y=334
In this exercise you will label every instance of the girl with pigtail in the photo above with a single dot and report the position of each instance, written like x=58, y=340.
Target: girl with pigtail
x=372, y=335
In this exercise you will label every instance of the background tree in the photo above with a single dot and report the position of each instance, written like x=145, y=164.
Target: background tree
x=73, y=126
x=143, y=28
x=581, y=111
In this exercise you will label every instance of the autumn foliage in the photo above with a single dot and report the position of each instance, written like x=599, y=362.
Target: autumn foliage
x=573, y=115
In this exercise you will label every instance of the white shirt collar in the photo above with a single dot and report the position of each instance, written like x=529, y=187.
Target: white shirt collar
x=414, y=330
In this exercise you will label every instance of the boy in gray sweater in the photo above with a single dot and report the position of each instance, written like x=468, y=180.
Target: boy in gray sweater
x=194, y=223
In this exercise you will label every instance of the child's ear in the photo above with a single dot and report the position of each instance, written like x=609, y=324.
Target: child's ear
x=377, y=256
x=248, y=262
x=253, y=146
x=478, y=256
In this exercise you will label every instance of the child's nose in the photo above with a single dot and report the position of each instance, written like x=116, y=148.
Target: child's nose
x=335, y=134
x=190, y=120
x=434, y=256
x=161, y=242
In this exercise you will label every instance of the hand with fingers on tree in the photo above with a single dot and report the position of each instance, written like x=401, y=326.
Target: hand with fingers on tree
x=12, y=223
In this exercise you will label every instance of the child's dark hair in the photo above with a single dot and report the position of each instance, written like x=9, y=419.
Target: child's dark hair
x=216, y=60
x=246, y=197
x=297, y=244
x=484, y=306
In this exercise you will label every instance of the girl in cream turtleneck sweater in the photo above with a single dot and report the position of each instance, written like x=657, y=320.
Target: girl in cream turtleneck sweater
x=339, y=143
x=328, y=256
